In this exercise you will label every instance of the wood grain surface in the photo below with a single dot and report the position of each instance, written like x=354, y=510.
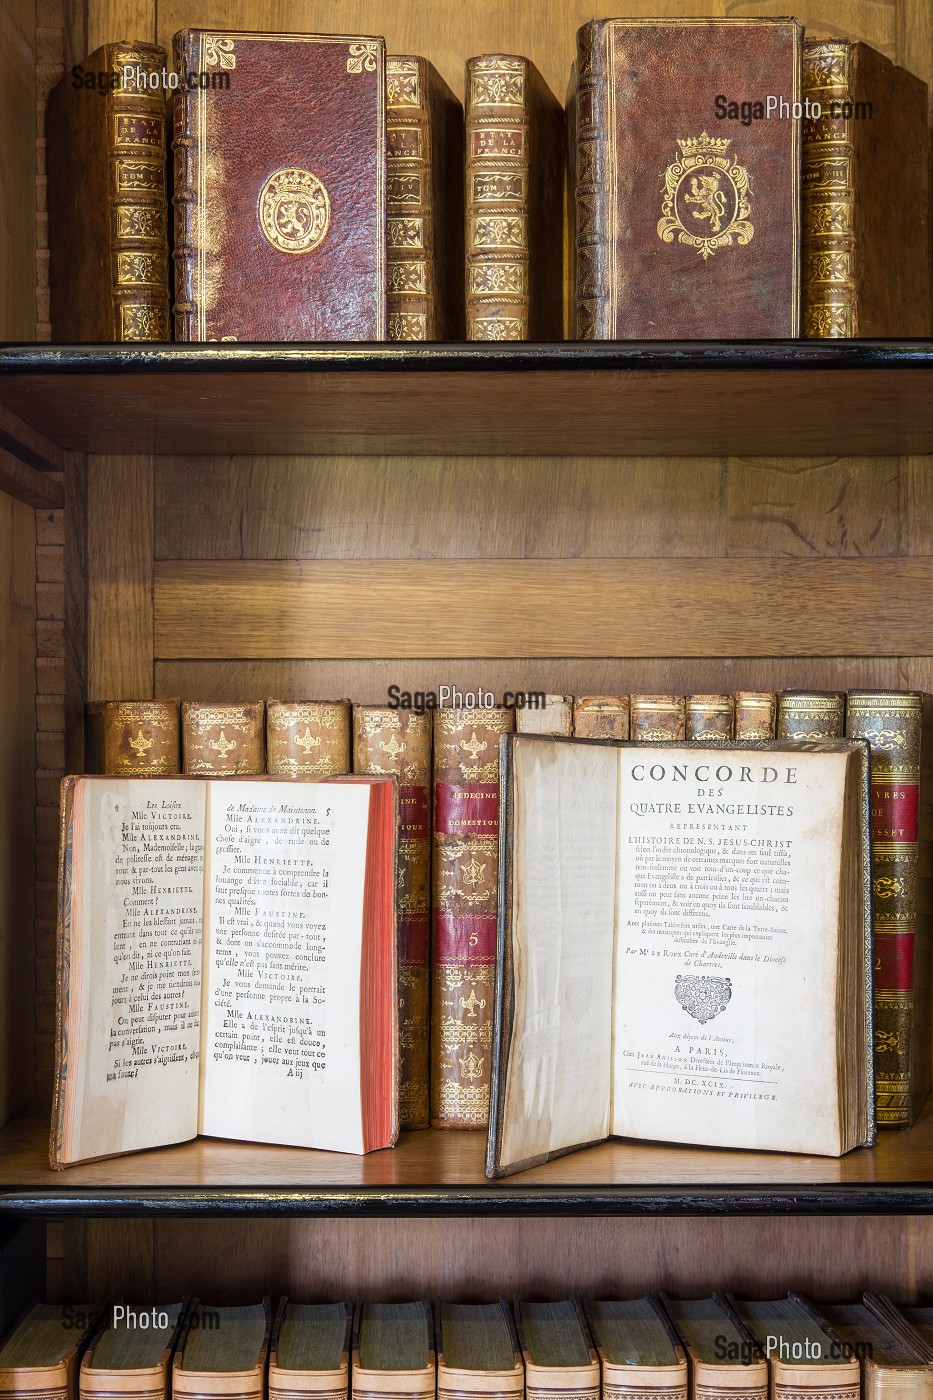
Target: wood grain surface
x=119, y=578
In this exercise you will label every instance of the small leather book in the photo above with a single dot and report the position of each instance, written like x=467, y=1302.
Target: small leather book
x=914, y=1324
x=424, y=214
x=142, y=736
x=308, y=738
x=687, y=227
x=710, y=719
x=223, y=740
x=640, y=1354
x=108, y=205
x=755, y=714
x=895, y=1361
x=477, y=1352
x=557, y=1350
x=723, y=1357
x=126, y=1361
x=280, y=187
x=655, y=718
x=803, y=1359
x=811, y=714
x=514, y=202
x=309, y=1351
x=41, y=1355
x=393, y=1351
x=866, y=195
x=224, y=1353
x=601, y=717
x=555, y=716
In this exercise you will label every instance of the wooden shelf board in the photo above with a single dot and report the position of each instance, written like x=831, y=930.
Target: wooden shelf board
x=437, y=1173
x=872, y=398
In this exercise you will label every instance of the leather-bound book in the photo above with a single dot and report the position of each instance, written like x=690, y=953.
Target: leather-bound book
x=811, y=714
x=553, y=716
x=723, y=1358
x=557, y=1350
x=424, y=203
x=897, y=727
x=130, y=1358
x=397, y=743
x=915, y=1324
x=866, y=195
x=802, y=1358
x=222, y=740
x=224, y=1353
x=709, y=718
x=280, y=187
x=640, y=1354
x=601, y=716
x=514, y=202
x=142, y=736
x=465, y=882
x=478, y=1353
x=41, y=1355
x=896, y=1365
x=309, y=1353
x=755, y=714
x=393, y=1351
x=308, y=738
x=655, y=718
x=686, y=227
x=108, y=206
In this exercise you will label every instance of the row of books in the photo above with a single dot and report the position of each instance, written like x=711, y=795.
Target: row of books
x=428, y=221
x=577, y=1348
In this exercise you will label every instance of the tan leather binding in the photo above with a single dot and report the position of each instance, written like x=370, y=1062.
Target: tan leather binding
x=574, y=1382
x=137, y=1383
x=811, y=714
x=709, y=718
x=459, y=1383
x=658, y=717
x=58, y=1381
x=755, y=714
x=223, y=740
x=142, y=737
x=288, y=1384
x=370, y=1384
x=308, y=738
x=601, y=717
x=246, y=1384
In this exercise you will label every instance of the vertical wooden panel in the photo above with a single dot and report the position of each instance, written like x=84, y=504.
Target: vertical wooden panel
x=17, y=169
x=119, y=578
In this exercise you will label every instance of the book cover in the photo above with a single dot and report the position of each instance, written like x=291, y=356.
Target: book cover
x=811, y=714
x=640, y=1354
x=478, y=1353
x=656, y=718
x=393, y=1351
x=142, y=736
x=309, y=1351
x=723, y=1357
x=308, y=738
x=219, y=740
x=126, y=1362
x=557, y=1350
x=803, y=1359
x=224, y=1353
x=601, y=716
x=709, y=719
x=755, y=714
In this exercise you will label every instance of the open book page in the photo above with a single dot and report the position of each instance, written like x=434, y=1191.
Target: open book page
x=283, y=948
x=133, y=962
x=557, y=1087
x=727, y=951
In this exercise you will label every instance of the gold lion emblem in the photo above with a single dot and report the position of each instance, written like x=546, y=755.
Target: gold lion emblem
x=294, y=211
x=706, y=198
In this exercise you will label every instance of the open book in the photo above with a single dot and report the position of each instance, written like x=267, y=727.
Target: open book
x=226, y=964
x=684, y=947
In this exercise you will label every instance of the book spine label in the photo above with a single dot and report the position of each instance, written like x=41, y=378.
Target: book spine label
x=142, y=737
x=590, y=194
x=466, y=849
x=411, y=306
x=658, y=717
x=223, y=740
x=828, y=288
x=308, y=739
x=892, y=725
x=185, y=197
x=497, y=191
x=709, y=718
x=755, y=714
x=811, y=715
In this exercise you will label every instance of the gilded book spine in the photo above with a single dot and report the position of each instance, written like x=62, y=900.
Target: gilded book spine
x=185, y=198
x=142, y=737
x=601, y=717
x=811, y=714
x=830, y=307
x=709, y=718
x=892, y=723
x=465, y=876
x=592, y=156
x=658, y=717
x=223, y=740
x=397, y=743
x=497, y=188
x=308, y=739
x=411, y=304
x=755, y=714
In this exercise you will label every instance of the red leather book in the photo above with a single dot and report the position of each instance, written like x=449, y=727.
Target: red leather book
x=280, y=158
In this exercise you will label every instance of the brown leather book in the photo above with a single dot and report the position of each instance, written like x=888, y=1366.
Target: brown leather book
x=40, y=1357
x=309, y=1354
x=514, y=202
x=280, y=187
x=222, y=740
x=477, y=1352
x=658, y=717
x=601, y=716
x=755, y=714
x=130, y=1356
x=308, y=738
x=397, y=743
x=895, y=1361
x=709, y=718
x=558, y=1352
x=866, y=195
x=686, y=226
x=393, y=1351
x=640, y=1355
x=811, y=714
x=424, y=203
x=224, y=1354
x=142, y=736
x=108, y=206
x=465, y=882
x=802, y=1357
x=723, y=1357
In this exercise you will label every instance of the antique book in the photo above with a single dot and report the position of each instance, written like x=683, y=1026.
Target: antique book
x=424, y=203
x=709, y=719
x=895, y=1365
x=397, y=743
x=656, y=718
x=393, y=1351
x=803, y=1359
x=514, y=202
x=640, y=1355
x=866, y=191
x=755, y=714
x=477, y=1352
x=280, y=187
x=142, y=736
x=897, y=727
x=464, y=878
x=811, y=714
x=108, y=205
x=41, y=1356
x=670, y=918
x=131, y=1354
x=555, y=716
x=913, y=1323
x=308, y=738
x=224, y=1354
x=309, y=1352
x=601, y=716
x=686, y=221
x=226, y=964
x=723, y=1358
x=223, y=740
x=557, y=1350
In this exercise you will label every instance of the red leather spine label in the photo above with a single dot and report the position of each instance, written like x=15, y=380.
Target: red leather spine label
x=470, y=809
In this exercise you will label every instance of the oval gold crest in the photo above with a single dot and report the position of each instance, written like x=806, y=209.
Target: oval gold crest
x=294, y=211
